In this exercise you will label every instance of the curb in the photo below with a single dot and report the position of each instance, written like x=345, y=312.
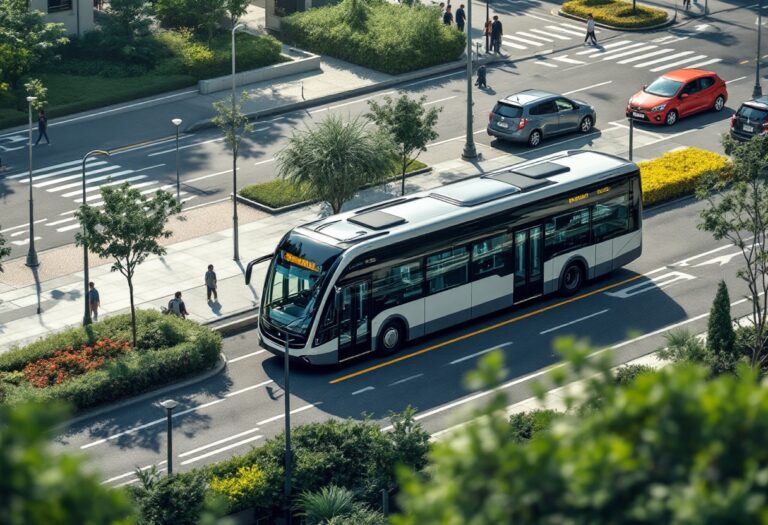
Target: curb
x=236, y=325
x=362, y=90
x=671, y=20
x=87, y=414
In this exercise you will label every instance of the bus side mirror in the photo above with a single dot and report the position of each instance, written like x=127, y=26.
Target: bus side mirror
x=249, y=268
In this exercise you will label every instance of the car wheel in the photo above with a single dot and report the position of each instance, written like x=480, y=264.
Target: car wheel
x=391, y=338
x=719, y=103
x=573, y=279
x=671, y=118
x=586, y=124
x=534, y=139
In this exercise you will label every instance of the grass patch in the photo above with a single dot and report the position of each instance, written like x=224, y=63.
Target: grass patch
x=676, y=173
x=279, y=193
x=617, y=13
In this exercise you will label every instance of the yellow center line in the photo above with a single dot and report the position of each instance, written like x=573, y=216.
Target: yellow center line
x=482, y=330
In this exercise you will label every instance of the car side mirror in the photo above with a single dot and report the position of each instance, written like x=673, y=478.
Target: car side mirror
x=683, y=95
x=645, y=86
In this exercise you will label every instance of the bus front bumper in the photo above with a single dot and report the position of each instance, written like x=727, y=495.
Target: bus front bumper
x=299, y=356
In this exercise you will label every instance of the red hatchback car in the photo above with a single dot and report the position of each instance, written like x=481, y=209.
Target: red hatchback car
x=677, y=94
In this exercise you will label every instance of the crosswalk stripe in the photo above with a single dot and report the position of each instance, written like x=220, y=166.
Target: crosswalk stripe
x=549, y=33
x=599, y=54
x=133, y=187
x=61, y=221
x=580, y=28
x=705, y=63
x=566, y=31
x=606, y=46
x=534, y=37
x=76, y=176
x=567, y=60
x=49, y=168
x=647, y=55
x=632, y=52
x=544, y=63
x=95, y=188
x=59, y=172
x=679, y=62
x=89, y=181
x=24, y=241
x=664, y=59
x=530, y=42
x=67, y=228
x=508, y=43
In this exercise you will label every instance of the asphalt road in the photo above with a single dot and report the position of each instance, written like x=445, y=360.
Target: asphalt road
x=672, y=284
x=603, y=77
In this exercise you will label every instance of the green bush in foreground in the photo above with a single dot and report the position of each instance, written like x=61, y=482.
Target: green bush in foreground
x=392, y=38
x=168, y=349
x=617, y=13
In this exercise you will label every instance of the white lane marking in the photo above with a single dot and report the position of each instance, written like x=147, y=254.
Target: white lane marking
x=735, y=80
x=606, y=46
x=98, y=187
x=687, y=261
x=20, y=226
x=679, y=62
x=350, y=102
x=538, y=17
x=62, y=221
x=70, y=177
x=132, y=186
x=24, y=242
x=36, y=178
x=566, y=31
x=236, y=359
x=523, y=40
x=623, y=53
x=664, y=59
x=16, y=234
x=68, y=228
x=647, y=55
x=435, y=78
x=567, y=60
x=549, y=33
x=721, y=260
x=588, y=87
x=454, y=138
x=439, y=100
x=639, y=130
x=134, y=480
x=656, y=283
x=248, y=388
x=219, y=442
x=544, y=63
x=75, y=163
x=533, y=37
x=150, y=144
x=481, y=352
x=263, y=162
x=366, y=389
x=132, y=472
x=222, y=449
x=579, y=28
x=705, y=63
x=209, y=176
x=281, y=416
x=173, y=150
x=600, y=53
x=409, y=378
x=580, y=319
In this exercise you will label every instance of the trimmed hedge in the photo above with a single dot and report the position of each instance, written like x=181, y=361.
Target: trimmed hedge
x=617, y=13
x=392, y=38
x=168, y=349
x=676, y=173
x=279, y=193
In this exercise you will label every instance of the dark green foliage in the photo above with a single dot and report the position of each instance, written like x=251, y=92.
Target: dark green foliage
x=526, y=424
x=627, y=374
x=169, y=500
x=683, y=346
x=720, y=334
x=387, y=37
x=5, y=251
x=125, y=33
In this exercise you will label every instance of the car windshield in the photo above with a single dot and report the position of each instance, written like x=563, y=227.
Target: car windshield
x=508, y=111
x=295, y=282
x=663, y=87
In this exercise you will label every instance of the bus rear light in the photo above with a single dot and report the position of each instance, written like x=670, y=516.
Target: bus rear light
x=522, y=123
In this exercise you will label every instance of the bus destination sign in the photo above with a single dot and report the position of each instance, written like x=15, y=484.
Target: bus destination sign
x=298, y=261
x=582, y=196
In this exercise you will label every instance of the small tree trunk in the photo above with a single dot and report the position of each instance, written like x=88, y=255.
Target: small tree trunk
x=133, y=310
x=405, y=167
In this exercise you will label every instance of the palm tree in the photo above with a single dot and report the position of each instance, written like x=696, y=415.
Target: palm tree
x=329, y=502
x=335, y=159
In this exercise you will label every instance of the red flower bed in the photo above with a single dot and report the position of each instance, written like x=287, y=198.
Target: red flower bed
x=72, y=362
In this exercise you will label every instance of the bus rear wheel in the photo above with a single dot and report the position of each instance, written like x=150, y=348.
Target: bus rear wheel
x=573, y=279
x=391, y=338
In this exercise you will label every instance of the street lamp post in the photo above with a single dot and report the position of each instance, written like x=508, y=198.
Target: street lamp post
x=32, y=261
x=288, y=462
x=169, y=405
x=234, y=157
x=177, y=122
x=469, y=146
x=757, y=91
x=87, y=314
x=487, y=33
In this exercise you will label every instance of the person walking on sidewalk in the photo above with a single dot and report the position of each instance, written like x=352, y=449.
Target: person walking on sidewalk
x=448, y=16
x=481, y=77
x=42, y=128
x=590, y=30
x=487, y=35
x=177, y=307
x=93, y=301
x=496, y=32
x=211, y=283
x=461, y=18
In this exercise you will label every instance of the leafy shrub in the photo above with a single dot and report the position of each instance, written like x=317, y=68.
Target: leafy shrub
x=320, y=506
x=628, y=373
x=165, y=500
x=676, y=173
x=387, y=37
x=72, y=362
x=361, y=516
x=242, y=488
x=526, y=424
x=617, y=13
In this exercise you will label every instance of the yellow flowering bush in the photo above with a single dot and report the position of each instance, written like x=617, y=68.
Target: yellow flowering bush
x=676, y=173
x=616, y=13
x=242, y=487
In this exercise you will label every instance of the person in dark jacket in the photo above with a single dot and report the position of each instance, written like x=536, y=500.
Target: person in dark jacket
x=480, y=82
x=448, y=16
x=42, y=128
x=496, y=32
x=461, y=18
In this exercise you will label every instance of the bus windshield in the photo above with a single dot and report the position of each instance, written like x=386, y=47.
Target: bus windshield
x=295, y=282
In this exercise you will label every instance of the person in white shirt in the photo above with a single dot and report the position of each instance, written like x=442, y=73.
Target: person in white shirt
x=590, y=30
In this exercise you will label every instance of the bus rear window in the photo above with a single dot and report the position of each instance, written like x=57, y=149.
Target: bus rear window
x=508, y=111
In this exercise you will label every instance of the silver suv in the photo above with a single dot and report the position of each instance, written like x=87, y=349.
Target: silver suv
x=531, y=115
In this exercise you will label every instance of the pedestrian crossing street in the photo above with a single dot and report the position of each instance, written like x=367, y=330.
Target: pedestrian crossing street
x=537, y=39
x=65, y=180
x=656, y=56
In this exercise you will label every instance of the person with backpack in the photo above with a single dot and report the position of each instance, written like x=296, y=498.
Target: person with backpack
x=176, y=306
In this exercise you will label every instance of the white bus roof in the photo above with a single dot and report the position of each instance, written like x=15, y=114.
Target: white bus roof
x=476, y=197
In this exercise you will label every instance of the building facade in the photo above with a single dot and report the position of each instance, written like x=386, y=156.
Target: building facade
x=76, y=15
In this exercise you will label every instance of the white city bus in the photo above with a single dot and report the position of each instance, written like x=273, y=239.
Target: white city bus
x=369, y=280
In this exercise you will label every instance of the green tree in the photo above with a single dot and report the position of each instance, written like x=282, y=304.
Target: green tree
x=737, y=211
x=5, y=251
x=335, y=159
x=38, y=486
x=127, y=229
x=235, y=9
x=126, y=32
x=410, y=124
x=35, y=88
x=211, y=12
x=526, y=424
x=671, y=447
x=169, y=500
x=721, y=337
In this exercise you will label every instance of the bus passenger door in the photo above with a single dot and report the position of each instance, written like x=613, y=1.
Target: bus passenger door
x=354, y=320
x=529, y=264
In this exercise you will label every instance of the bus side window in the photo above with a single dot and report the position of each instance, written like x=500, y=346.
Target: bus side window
x=397, y=285
x=328, y=328
x=490, y=255
x=610, y=218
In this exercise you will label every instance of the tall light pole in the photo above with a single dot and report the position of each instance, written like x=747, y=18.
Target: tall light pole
x=87, y=296
x=469, y=146
x=177, y=122
x=32, y=261
x=234, y=156
x=757, y=91
x=169, y=405
x=485, y=30
x=288, y=459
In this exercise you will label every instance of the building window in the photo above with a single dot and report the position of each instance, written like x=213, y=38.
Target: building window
x=54, y=6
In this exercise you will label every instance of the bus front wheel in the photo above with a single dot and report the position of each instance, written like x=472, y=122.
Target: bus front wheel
x=391, y=338
x=573, y=279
